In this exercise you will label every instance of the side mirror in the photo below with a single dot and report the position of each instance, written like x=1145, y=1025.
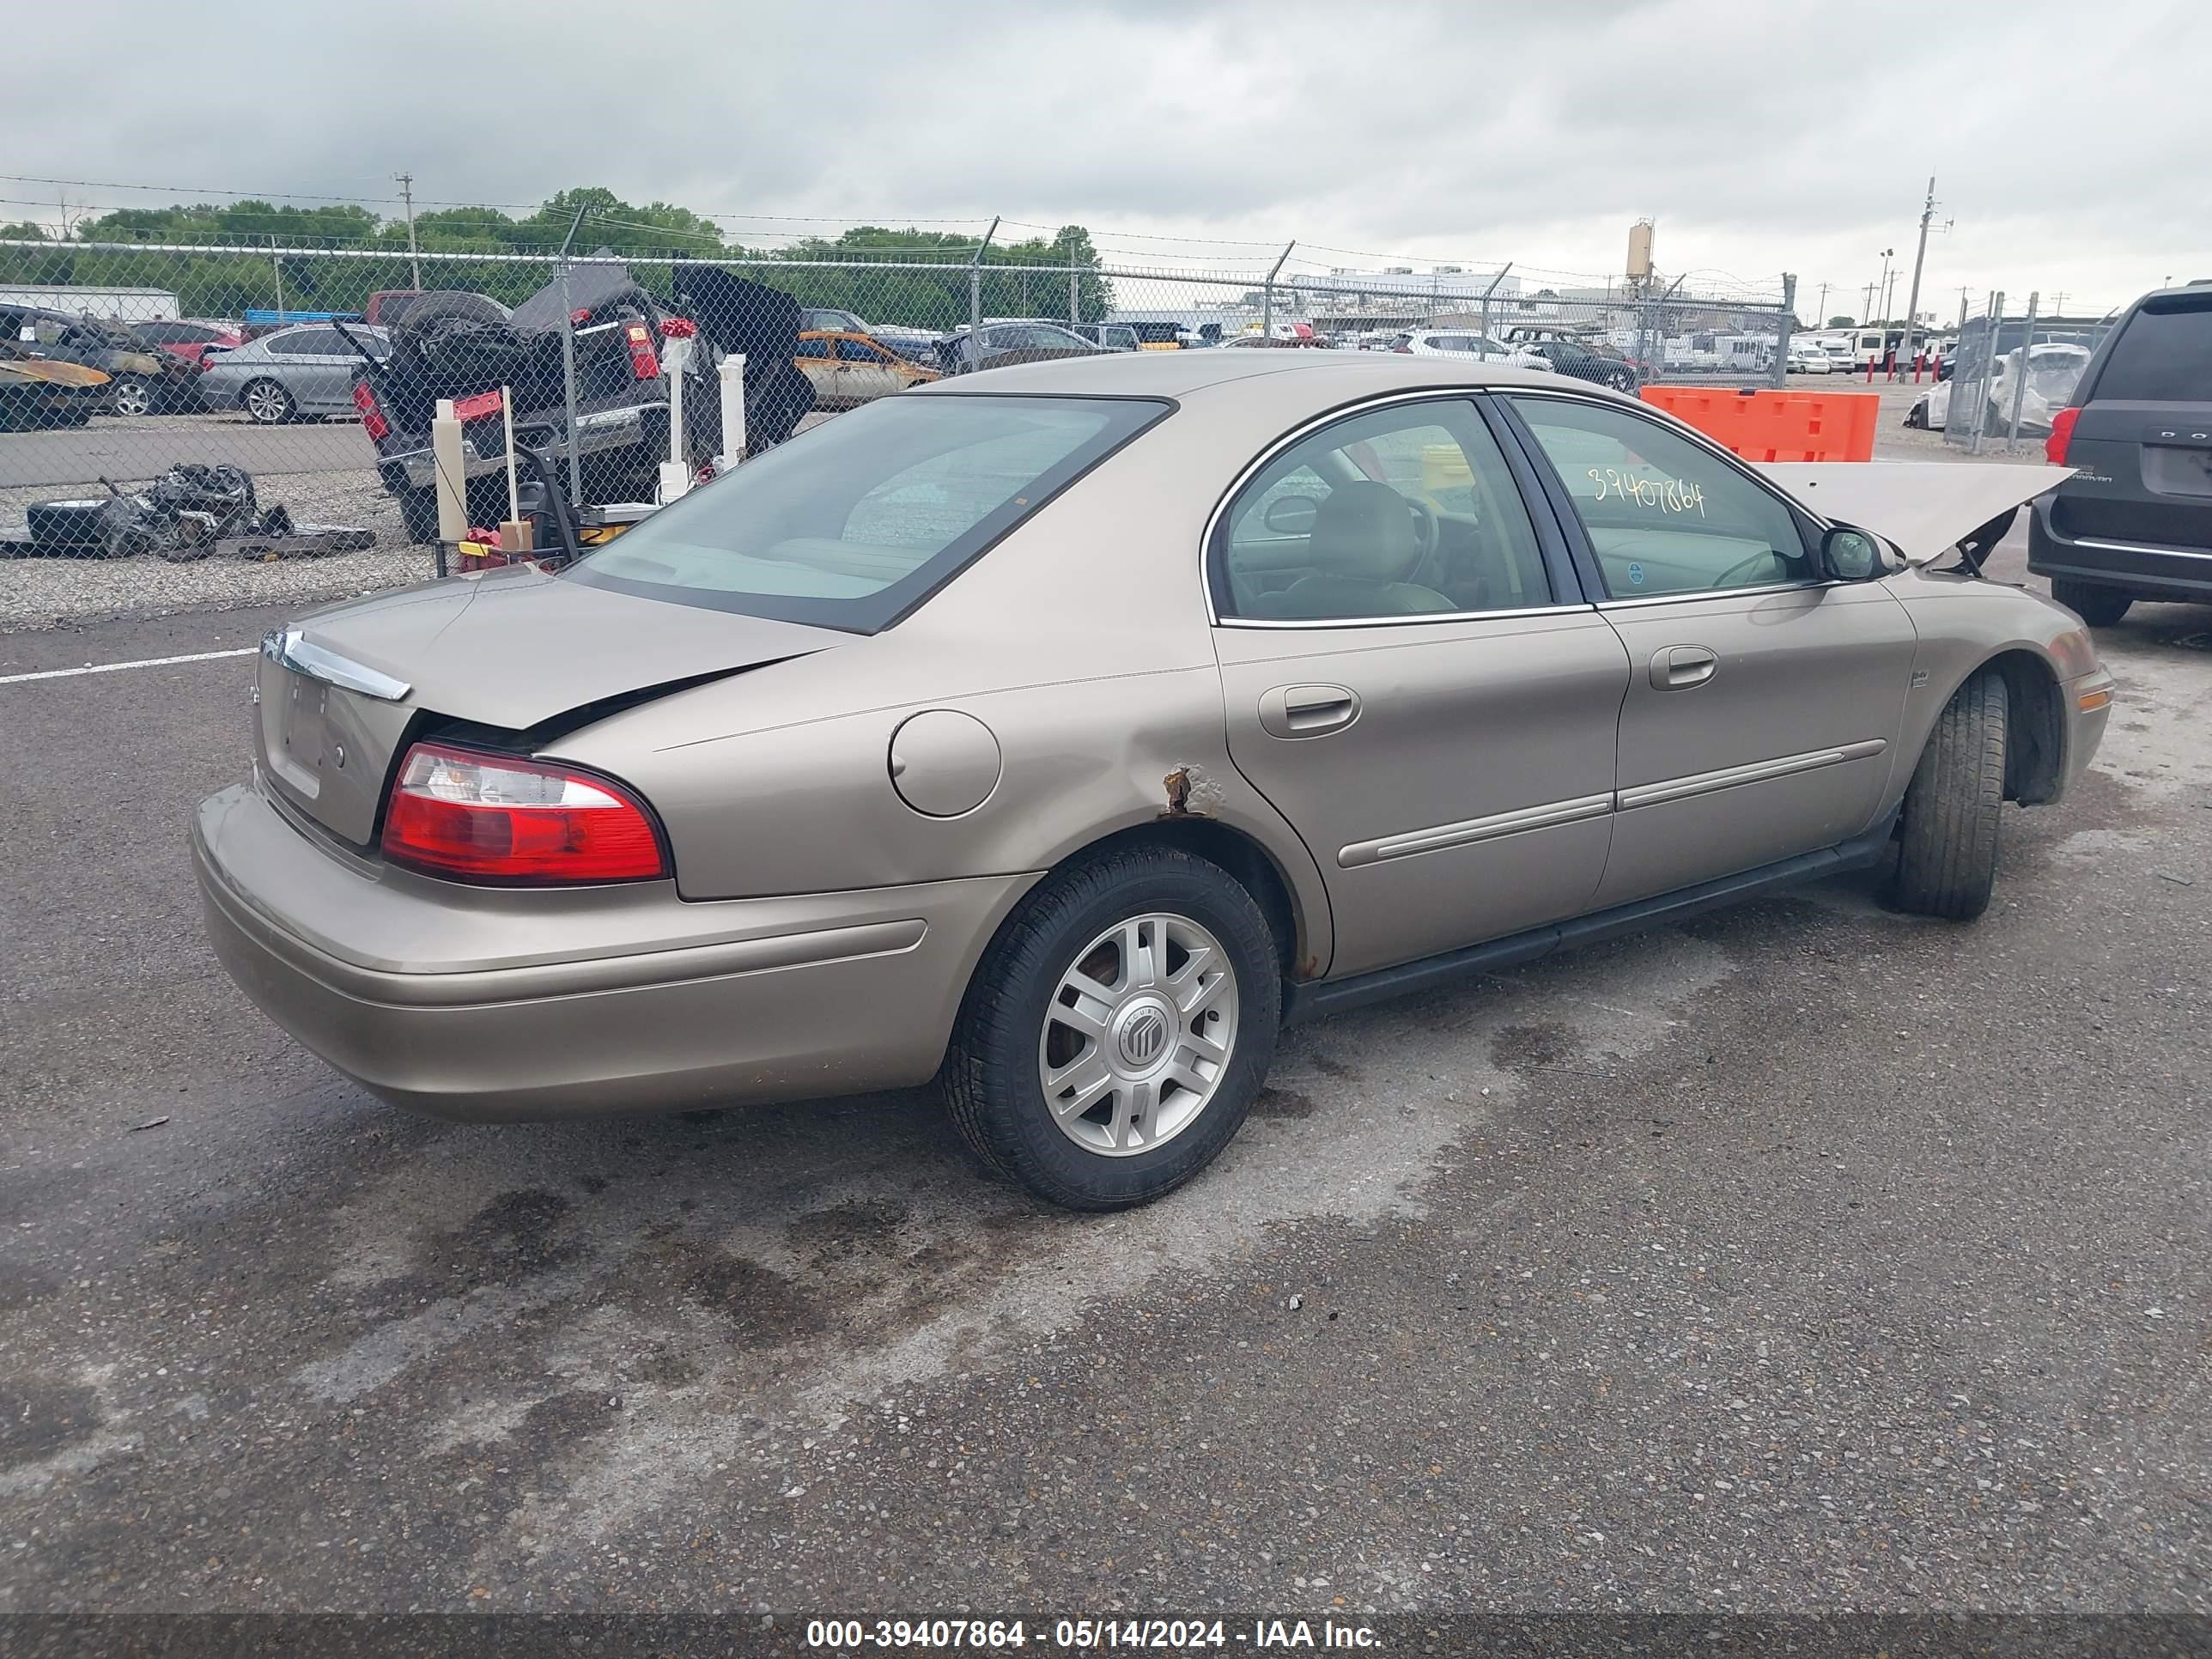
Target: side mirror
x=1291, y=515
x=1849, y=554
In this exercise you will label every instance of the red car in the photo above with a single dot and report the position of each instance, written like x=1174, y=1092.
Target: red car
x=188, y=340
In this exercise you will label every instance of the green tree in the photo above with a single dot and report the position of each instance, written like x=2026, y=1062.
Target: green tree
x=1843, y=322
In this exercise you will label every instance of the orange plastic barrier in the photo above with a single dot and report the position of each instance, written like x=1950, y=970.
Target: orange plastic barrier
x=1777, y=426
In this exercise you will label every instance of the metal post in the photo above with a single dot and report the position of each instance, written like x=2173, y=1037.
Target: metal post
x=1075, y=292
x=568, y=366
x=406, y=182
x=1268, y=294
x=1980, y=415
x=1783, y=325
x=1912, y=301
x=976, y=282
x=276, y=265
x=1486, y=292
x=2020, y=380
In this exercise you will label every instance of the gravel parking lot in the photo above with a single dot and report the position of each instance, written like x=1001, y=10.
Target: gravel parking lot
x=1806, y=1256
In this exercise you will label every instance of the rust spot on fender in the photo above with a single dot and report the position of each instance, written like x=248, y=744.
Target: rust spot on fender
x=1190, y=793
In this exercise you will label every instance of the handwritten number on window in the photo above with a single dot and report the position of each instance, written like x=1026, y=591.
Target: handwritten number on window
x=1660, y=495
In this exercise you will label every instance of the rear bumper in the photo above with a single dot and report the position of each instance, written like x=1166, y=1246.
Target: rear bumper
x=599, y=432
x=485, y=1005
x=2151, y=570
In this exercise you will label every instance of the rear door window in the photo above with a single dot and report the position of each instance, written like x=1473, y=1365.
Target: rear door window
x=2163, y=356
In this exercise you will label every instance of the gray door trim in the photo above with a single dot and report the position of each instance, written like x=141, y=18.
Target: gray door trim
x=1730, y=777
x=1444, y=835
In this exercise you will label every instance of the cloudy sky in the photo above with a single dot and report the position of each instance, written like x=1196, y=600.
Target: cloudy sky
x=2072, y=144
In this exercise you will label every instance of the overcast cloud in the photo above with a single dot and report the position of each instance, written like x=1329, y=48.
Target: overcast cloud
x=2070, y=142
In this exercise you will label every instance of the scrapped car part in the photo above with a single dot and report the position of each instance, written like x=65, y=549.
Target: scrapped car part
x=1412, y=669
x=762, y=323
x=466, y=348
x=179, y=515
x=36, y=392
x=279, y=539
x=1947, y=863
x=1118, y=1029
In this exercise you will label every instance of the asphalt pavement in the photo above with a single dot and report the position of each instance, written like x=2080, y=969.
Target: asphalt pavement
x=1805, y=1256
x=141, y=446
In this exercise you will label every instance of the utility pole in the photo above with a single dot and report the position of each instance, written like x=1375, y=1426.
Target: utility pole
x=1820, y=319
x=1912, y=304
x=406, y=183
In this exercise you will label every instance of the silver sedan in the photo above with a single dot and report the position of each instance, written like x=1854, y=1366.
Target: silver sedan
x=299, y=372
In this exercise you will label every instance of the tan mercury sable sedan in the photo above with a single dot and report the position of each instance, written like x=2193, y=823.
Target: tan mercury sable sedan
x=1058, y=732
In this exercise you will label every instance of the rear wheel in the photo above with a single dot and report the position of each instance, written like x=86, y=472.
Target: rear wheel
x=2095, y=604
x=1117, y=1030
x=1948, y=857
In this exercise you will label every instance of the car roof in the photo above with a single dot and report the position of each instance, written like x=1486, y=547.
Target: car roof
x=1326, y=378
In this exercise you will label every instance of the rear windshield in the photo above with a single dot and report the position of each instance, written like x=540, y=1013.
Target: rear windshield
x=2164, y=354
x=853, y=524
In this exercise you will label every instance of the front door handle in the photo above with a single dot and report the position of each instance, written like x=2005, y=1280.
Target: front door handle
x=1677, y=667
x=1307, y=711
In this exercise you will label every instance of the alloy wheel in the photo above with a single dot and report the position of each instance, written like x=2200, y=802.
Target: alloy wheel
x=266, y=402
x=1138, y=1035
x=131, y=398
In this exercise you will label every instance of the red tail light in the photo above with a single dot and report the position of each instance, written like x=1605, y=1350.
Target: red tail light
x=471, y=409
x=372, y=418
x=500, y=819
x=643, y=365
x=1403, y=351
x=2062, y=433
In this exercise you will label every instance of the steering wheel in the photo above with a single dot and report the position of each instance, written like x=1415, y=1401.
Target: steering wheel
x=1425, y=528
x=1726, y=578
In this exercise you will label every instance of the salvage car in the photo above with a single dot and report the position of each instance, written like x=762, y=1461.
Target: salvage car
x=189, y=338
x=1004, y=342
x=466, y=347
x=847, y=370
x=142, y=379
x=1585, y=362
x=1058, y=733
x=37, y=392
x=2054, y=369
x=304, y=373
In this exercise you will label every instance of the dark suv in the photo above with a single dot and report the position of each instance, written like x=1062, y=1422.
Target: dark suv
x=2135, y=521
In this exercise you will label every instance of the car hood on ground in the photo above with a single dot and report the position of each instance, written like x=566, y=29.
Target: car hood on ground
x=516, y=648
x=1924, y=508
x=49, y=372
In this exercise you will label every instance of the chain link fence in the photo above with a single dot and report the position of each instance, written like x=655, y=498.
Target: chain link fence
x=185, y=399
x=2010, y=375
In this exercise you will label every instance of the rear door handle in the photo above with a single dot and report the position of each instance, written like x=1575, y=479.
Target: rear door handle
x=1677, y=667
x=1307, y=711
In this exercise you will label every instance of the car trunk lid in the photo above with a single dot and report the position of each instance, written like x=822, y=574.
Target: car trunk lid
x=511, y=657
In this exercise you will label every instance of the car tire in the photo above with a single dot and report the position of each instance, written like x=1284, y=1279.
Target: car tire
x=71, y=529
x=266, y=402
x=1947, y=854
x=418, y=511
x=2095, y=604
x=1018, y=1026
x=130, y=397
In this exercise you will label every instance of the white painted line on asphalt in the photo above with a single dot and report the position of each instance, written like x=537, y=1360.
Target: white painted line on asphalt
x=118, y=667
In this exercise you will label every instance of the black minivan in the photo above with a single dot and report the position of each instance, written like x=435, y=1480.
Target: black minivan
x=2135, y=521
